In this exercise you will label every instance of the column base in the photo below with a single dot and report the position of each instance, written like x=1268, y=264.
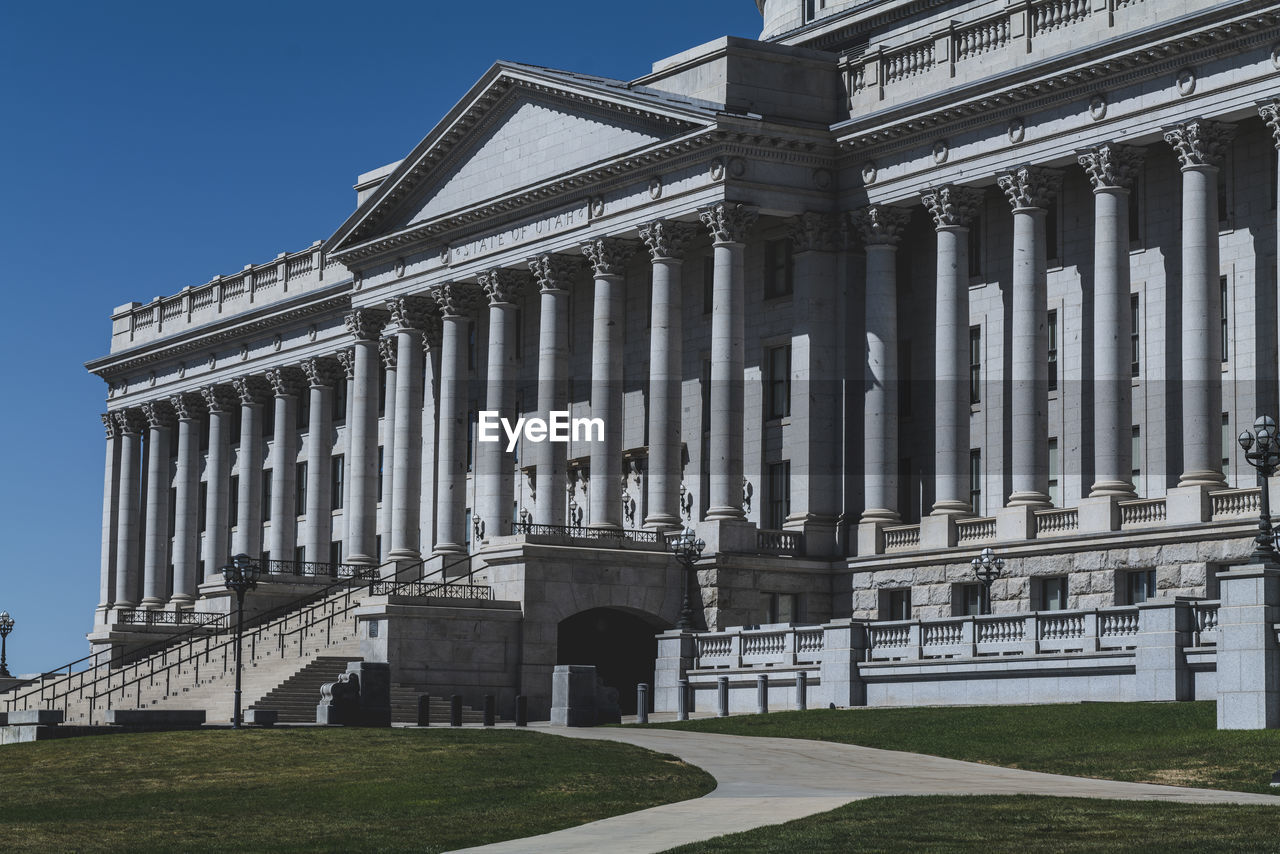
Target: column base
x=1116, y=488
x=726, y=514
x=450, y=549
x=821, y=533
x=1203, y=477
x=1188, y=505
x=881, y=514
x=1030, y=498
x=362, y=560
x=662, y=521
x=951, y=507
x=151, y=603
x=403, y=560
x=182, y=602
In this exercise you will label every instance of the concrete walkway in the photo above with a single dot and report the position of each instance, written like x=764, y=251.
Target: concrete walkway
x=763, y=781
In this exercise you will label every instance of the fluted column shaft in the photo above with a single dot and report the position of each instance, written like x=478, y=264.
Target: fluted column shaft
x=408, y=316
x=110, y=517
x=319, y=509
x=388, y=349
x=665, y=241
x=555, y=274
x=1200, y=147
x=452, y=471
x=127, y=537
x=608, y=260
x=247, y=537
x=284, y=467
x=155, y=567
x=362, y=514
x=217, y=523
x=495, y=490
x=186, y=537
x=1270, y=112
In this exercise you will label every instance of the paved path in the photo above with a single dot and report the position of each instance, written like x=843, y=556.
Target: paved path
x=766, y=781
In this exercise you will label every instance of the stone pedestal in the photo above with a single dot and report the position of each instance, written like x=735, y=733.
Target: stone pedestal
x=938, y=532
x=871, y=538
x=1099, y=515
x=675, y=657
x=1015, y=524
x=727, y=536
x=844, y=646
x=1248, y=655
x=1160, y=663
x=577, y=698
x=1188, y=505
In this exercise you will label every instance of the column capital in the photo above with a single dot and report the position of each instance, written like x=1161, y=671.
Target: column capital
x=952, y=206
x=286, y=381
x=1030, y=186
x=130, y=421
x=365, y=324
x=411, y=312
x=455, y=299
x=814, y=232
x=880, y=225
x=503, y=286
x=555, y=273
x=187, y=406
x=159, y=414
x=347, y=359
x=1111, y=166
x=252, y=390
x=1270, y=112
x=608, y=256
x=666, y=239
x=219, y=398
x=322, y=371
x=1200, y=143
x=387, y=350
x=109, y=422
x=729, y=222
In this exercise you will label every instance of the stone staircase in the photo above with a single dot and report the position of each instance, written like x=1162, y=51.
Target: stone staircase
x=296, y=697
x=404, y=708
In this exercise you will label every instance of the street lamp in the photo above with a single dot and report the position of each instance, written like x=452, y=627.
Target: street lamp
x=240, y=575
x=687, y=547
x=1265, y=458
x=6, y=626
x=988, y=568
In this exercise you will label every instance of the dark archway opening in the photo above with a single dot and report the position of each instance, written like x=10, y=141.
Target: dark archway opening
x=622, y=646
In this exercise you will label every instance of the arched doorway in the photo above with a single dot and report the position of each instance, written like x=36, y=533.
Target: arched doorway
x=621, y=645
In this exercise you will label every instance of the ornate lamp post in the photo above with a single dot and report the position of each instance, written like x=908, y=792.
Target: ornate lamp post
x=1265, y=458
x=988, y=568
x=687, y=547
x=6, y=626
x=241, y=575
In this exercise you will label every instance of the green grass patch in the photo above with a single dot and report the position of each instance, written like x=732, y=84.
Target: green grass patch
x=321, y=789
x=1022, y=823
x=1172, y=743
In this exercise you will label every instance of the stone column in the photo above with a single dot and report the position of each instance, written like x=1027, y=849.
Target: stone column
x=952, y=209
x=388, y=350
x=555, y=275
x=816, y=390
x=455, y=300
x=881, y=228
x=362, y=465
x=129, y=422
x=495, y=489
x=1111, y=170
x=322, y=375
x=431, y=337
x=728, y=223
x=1248, y=656
x=347, y=359
x=666, y=242
x=608, y=258
x=221, y=404
x=155, y=566
x=1200, y=147
x=247, y=538
x=287, y=384
x=110, y=518
x=186, y=535
x=1030, y=190
x=1270, y=112
x=409, y=315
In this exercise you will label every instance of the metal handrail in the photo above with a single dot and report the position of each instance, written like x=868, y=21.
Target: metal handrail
x=637, y=536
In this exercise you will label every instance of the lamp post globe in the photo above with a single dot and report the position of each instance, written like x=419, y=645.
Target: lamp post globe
x=987, y=567
x=1262, y=451
x=6, y=626
x=240, y=576
x=687, y=548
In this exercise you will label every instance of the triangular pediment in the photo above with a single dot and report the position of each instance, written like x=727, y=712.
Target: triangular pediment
x=517, y=131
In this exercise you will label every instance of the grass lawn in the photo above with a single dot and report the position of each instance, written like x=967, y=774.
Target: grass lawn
x=1172, y=743
x=321, y=789
x=990, y=824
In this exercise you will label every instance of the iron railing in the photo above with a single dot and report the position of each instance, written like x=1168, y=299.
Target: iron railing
x=181, y=617
x=585, y=533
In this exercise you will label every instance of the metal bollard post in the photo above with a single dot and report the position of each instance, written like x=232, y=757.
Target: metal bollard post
x=522, y=710
x=424, y=710
x=642, y=703
x=682, y=700
x=490, y=705
x=722, y=696
x=455, y=710
x=762, y=693
x=802, y=691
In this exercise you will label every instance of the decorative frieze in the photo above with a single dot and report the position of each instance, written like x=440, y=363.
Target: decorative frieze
x=952, y=206
x=1111, y=166
x=555, y=273
x=365, y=324
x=503, y=286
x=880, y=225
x=287, y=381
x=608, y=256
x=814, y=232
x=1200, y=143
x=729, y=222
x=321, y=371
x=1030, y=186
x=666, y=240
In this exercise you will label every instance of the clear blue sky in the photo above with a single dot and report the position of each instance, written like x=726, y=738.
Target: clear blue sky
x=149, y=146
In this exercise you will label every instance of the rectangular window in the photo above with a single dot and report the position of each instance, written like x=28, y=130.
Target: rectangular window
x=300, y=554
x=1052, y=220
x=335, y=552
x=781, y=607
x=975, y=248
x=966, y=599
x=1226, y=343
x=335, y=483
x=235, y=429
x=1137, y=453
x=975, y=480
x=777, y=268
x=1135, y=333
x=266, y=495
x=779, y=495
x=302, y=414
x=340, y=401
x=895, y=604
x=975, y=364
x=268, y=420
x=203, y=508
x=300, y=489
x=467, y=529
x=173, y=511
x=380, y=459
x=1228, y=442
x=1053, y=351
x=1224, y=206
x=1139, y=585
x=1051, y=594
x=1055, y=494
x=382, y=393
x=779, y=381
x=708, y=283
x=233, y=500
x=1135, y=212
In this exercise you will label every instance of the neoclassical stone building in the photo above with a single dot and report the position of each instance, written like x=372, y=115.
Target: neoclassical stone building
x=898, y=281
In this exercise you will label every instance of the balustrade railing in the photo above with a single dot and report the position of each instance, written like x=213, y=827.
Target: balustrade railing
x=982, y=37
x=779, y=542
x=1236, y=502
x=975, y=530
x=1144, y=511
x=1206, y=622
x=142, y=617
x=1050, y=15
x=901, y=538
x=1064, y=520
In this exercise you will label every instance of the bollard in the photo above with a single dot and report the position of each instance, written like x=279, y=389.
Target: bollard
x=722, y=696
x=489, y=705
x=642, y=703
x=424, y=710
x=455, y=710
x=522, y=710
x=682, y=700
x=762, y=693
x=802, y=691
